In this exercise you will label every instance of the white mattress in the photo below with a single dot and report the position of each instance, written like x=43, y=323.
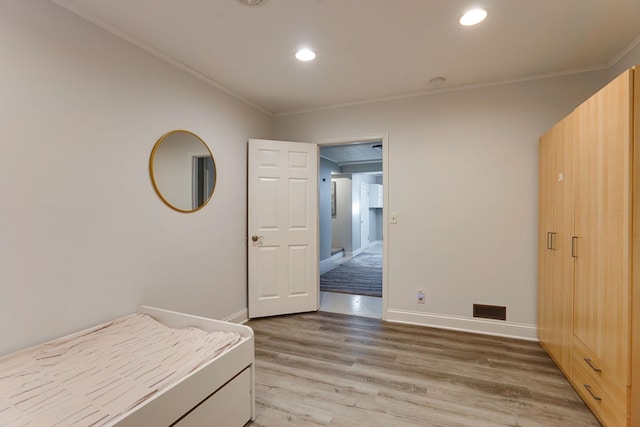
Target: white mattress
x=91, y=379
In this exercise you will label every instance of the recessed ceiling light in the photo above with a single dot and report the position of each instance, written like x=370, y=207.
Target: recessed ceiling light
x=305, y=55
x=473, y=17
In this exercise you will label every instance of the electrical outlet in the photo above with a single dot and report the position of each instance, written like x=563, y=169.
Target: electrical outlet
x=421, y=297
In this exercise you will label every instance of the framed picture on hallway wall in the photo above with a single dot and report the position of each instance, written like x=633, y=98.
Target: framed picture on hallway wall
x=333, y=199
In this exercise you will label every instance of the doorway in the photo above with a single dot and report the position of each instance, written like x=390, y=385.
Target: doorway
x=351, y=223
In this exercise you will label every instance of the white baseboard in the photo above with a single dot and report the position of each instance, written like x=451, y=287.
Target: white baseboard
x=331, y=258
x=354, y=253
x=466, y=324
x=240, y=317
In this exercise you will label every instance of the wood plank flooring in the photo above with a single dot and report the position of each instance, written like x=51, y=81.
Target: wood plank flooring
x=326, y=369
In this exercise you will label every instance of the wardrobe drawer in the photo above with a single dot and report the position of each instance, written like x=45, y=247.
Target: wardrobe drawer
x=602, y=405
x=601, y=375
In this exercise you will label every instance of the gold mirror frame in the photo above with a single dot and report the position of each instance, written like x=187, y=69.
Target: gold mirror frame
x=166, y=138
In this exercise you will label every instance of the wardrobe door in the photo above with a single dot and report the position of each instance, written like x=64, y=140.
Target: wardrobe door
x=634, y=405
x=547, y=159
x=603, y=246
x=587, y=206
x=563, y=263
x=615, y=226
x=555, y=288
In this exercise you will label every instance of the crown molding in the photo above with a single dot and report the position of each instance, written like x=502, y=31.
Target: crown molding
x=624, y=52
x=449, y=89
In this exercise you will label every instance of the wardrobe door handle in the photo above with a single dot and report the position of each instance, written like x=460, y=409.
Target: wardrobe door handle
x=588, y=387
x=552, y=235
x=574, y=240
x=548, y=240
x=586, y=359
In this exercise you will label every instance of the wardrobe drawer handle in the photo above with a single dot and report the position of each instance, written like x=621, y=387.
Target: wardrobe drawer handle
x=590, y=363
x=588, y=387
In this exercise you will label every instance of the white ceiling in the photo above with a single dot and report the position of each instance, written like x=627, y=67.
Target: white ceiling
x=352, y=153
x=367, y=49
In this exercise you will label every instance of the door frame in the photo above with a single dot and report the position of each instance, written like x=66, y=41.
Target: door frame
x=384, y=137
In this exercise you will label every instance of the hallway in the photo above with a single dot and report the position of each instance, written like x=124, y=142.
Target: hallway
x=357, y=305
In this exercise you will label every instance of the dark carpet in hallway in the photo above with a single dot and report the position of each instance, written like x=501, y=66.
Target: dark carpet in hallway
x=361, y=275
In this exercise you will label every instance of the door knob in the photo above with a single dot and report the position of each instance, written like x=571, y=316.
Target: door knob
x=256, y=238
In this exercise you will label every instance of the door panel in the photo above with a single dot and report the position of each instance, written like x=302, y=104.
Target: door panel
x=267, y=213
x=298, y=269
x=298, y=204
x=282, y=227
x=267, y=272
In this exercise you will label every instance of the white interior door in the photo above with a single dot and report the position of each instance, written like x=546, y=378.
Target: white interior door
x=282, y=227
x=364, y=216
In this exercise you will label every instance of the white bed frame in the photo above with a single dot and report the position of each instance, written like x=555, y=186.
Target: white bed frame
x=219, y=393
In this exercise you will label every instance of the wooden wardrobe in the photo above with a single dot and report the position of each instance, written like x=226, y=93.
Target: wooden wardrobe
x=589, y=250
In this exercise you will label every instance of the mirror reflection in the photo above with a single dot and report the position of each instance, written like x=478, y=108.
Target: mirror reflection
x=182, y=170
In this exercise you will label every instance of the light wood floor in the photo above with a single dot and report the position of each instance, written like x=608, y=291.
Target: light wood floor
x=326, y=369
x=357, y=305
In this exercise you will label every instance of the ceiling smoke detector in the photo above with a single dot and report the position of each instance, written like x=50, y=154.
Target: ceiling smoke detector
x=436, y=82
x=252, y=2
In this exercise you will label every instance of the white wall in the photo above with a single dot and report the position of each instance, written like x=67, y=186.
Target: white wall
x=462, y=178
x=355, y=212
x=324, y=206
x=83, y=236
x=376, y=228
x=341, y=225
x=356, y=182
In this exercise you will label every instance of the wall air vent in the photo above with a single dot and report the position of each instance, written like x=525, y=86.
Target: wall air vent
x=495, y=312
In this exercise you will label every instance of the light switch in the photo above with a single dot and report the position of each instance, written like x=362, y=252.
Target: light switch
x=393, y=218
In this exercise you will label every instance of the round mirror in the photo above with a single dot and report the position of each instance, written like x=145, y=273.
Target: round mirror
x=182, y=170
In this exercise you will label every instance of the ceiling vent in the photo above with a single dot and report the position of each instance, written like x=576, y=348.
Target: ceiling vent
x=252, y=2
x=436, y=82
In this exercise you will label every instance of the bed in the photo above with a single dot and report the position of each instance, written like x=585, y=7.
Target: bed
x=152, y=368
